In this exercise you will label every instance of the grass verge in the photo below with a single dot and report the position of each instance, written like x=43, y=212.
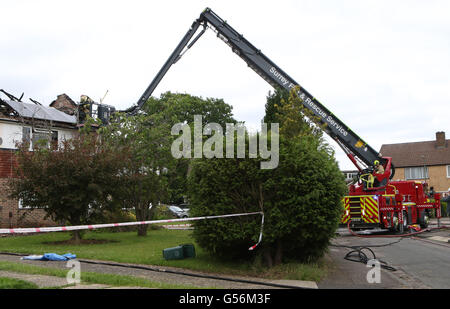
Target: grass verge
x=12, y=283
x=127, y=247
x=89, y=277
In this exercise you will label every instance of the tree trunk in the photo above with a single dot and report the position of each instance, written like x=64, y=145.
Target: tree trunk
x=278, y=253
x=142, y=214
x=268, y=257
x=76, y=237
x=142, y=230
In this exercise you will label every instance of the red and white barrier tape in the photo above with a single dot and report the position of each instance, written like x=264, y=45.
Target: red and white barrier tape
x=177, y=226
x=99, y=226
x=260, y=233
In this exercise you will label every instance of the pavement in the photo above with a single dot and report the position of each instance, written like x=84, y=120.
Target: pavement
x=53, y=282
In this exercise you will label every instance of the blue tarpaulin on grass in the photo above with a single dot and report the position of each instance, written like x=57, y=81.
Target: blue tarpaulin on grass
x=50, y=257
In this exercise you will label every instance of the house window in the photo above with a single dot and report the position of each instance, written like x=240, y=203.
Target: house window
x=54, y=140
x=22, y=206
x=40, y=138
x=351, y=175
x=448, y=171
x=416, y=172
x=26, y=135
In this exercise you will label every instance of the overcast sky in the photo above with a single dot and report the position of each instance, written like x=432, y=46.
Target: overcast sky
x=382, y=67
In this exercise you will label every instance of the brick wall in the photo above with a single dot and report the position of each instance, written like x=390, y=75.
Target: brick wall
x=437, y=177
x=10, y=214
x=12, y=217
x=6, y=163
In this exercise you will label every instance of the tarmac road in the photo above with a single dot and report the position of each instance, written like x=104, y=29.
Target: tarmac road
x=421, y=262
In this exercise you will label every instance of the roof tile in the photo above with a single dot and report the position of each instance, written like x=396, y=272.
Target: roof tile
x=417, y=153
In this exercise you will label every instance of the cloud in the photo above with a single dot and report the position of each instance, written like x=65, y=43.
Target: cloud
x=380, y=66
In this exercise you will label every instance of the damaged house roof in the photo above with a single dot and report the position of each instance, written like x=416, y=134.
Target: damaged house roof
x=29, y=110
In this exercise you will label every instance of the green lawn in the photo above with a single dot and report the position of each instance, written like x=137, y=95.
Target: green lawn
x=127, y=247
x=86, y=277
x=10, y=283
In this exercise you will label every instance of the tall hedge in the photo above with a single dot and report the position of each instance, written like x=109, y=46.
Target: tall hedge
x=301, y=198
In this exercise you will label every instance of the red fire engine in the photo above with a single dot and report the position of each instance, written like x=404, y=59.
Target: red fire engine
x=376, y=201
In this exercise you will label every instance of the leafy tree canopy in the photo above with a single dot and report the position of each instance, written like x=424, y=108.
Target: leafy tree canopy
x=172, y=108
x=74, y=183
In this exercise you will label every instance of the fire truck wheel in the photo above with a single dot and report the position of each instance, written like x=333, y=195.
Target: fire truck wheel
x=394, y=226
x=404, y=226
x=424, y=219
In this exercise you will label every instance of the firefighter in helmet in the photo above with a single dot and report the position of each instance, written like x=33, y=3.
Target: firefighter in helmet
x=379, y=169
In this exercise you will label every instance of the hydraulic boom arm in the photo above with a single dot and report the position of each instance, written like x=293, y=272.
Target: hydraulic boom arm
x=351, y=143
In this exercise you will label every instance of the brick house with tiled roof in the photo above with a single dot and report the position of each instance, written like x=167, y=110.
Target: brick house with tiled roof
x=21, y=121
x=37, y=124
x=427, y=161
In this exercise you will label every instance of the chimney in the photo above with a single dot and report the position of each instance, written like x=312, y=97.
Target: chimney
x=64, y=104
x=440, y=139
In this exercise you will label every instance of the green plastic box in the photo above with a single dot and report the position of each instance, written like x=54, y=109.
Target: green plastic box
x=188, y=250
x=175, y=253
x=179, y=252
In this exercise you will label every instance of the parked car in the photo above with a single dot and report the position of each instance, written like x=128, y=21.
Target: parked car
x=184, y=206
x=178, y=212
